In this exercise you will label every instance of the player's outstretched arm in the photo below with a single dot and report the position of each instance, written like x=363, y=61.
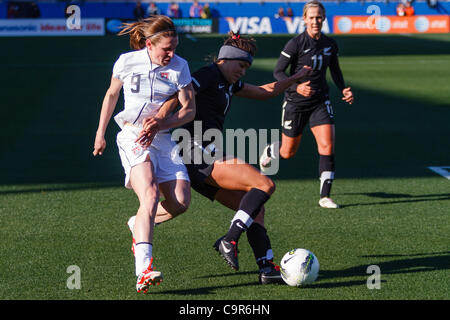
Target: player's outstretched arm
x=272, y=89
x=108, y=106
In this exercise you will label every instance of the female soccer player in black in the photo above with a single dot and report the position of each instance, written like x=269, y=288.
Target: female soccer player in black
x=309, y=100
x=232, y=182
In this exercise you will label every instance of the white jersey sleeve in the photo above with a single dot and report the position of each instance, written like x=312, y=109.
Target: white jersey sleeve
x=185, y=77
x=119, y=68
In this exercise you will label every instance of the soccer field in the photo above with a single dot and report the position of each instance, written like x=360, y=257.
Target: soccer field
x=61, y=207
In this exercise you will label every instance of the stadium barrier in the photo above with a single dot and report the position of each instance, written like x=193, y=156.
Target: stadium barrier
x=247, y=18
x=245, y=25
x=219, y=9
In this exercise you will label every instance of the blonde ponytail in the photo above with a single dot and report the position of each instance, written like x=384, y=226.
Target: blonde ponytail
x=153, y=28
x=137, y=36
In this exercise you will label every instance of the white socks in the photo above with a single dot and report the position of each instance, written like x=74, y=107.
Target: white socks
x=142, y=256
x=244, y=217
x=326, y=177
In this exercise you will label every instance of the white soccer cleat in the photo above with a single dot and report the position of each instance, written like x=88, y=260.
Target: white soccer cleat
x=131, y=227
x=147, y=278
x=328, y=203
x=131, y=224
x=270, y=152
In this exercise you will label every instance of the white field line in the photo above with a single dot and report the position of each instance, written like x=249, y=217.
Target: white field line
x=443, y=171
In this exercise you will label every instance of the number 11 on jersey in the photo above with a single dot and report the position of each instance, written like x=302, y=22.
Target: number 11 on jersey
x=317, y=58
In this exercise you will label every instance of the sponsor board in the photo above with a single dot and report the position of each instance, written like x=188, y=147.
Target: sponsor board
x=391, y=24
x=182, y=25
x=194, y=25
x=51, y=27
x=265, y=25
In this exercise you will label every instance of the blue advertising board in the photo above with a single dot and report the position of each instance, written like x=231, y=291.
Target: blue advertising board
x=266, y=25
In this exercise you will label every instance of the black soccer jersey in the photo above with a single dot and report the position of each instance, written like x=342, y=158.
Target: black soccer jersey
x=213, y=97
x=318, y=54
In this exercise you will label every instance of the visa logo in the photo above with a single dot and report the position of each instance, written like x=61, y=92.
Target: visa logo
x=250, y=25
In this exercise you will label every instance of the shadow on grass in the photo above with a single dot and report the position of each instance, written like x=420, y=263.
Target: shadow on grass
x=230, y=274
x=407, y=198
x=55, y=188
x=385, y=195
x=206, y=290
x=421, y=262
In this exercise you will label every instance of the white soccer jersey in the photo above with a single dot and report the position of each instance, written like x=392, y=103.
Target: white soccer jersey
x=147, y=85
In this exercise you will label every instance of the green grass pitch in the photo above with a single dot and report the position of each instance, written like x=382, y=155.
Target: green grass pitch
x=60, y=207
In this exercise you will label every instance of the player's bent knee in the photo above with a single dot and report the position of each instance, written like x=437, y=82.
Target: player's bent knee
x=326, y=150
x=267, y=185
x=272, y=187
x=176, y=206
x=287, y=153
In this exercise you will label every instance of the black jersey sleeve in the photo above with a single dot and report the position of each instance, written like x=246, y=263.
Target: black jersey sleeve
x=335, y=70
x=287, y=57
x=201, y=79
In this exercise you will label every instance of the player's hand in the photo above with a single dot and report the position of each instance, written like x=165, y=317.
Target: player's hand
x=151, y=124
x=305, y=89
x=305, y=71
x=348, y=95
x=99, y=145
x=145, y=138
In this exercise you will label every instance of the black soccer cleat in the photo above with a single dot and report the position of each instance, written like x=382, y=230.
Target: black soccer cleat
x=228, y=251
x=270, y=274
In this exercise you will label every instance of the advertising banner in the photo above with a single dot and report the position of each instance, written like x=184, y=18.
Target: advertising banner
x=194, y=25
x=265, y=25
x=391, y=24
x=51, y=27
x=183, y=25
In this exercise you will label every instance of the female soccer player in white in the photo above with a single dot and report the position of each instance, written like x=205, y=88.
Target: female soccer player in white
x=149, y=76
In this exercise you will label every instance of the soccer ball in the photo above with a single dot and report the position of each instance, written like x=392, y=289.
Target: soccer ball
x=299, y=267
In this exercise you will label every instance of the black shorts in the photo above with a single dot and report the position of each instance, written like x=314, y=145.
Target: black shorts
x=198, y=169
x=293, y=120
x=197, y=174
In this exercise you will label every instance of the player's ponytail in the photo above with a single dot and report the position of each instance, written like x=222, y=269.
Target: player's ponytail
x=243, y=43
x=153, y=28
x=137, y=37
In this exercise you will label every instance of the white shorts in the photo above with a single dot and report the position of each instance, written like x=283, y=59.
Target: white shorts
x=167, y=164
